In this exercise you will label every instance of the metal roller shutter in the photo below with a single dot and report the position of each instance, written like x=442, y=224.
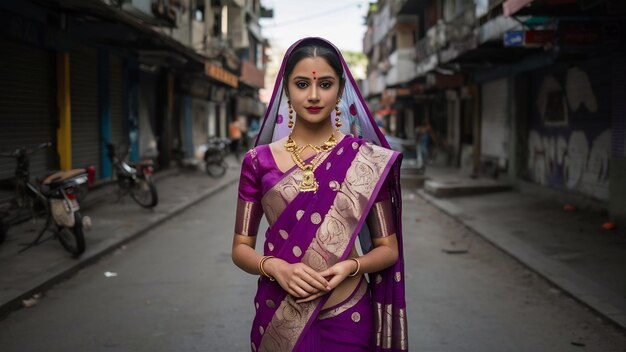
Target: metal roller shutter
x=494, y=121
x=116, y=99
x=84, y=97
x=27, y=98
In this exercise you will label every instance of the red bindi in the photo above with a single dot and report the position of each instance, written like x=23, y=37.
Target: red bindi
x=314, y=72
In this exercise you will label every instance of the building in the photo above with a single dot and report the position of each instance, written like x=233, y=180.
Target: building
x=525, y=91
x=144, y=75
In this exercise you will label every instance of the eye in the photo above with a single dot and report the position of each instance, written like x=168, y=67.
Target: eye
x=326, y=85
x=302, y=84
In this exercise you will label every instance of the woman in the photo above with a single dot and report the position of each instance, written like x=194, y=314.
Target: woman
x=319, y=176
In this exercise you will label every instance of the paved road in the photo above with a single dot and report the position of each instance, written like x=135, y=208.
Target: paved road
x=176, y=289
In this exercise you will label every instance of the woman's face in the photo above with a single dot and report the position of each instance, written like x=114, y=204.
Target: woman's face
x=313, y=88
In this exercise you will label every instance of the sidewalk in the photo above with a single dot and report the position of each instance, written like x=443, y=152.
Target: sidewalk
x=114, y=224
x=570, y=249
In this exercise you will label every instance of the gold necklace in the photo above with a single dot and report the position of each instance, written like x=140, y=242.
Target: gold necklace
x=309, y=184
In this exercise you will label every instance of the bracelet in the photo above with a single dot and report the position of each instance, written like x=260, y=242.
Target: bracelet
x=261, y=270
x=358, y=267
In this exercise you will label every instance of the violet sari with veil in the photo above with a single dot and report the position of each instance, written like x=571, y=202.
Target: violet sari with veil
x=320, y=228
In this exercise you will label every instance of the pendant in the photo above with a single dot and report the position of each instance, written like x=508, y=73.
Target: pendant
x=308, y=183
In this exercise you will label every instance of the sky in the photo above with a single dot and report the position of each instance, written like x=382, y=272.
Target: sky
x=340, y=21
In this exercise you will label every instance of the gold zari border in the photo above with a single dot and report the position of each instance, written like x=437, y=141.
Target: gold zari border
x=330, y=242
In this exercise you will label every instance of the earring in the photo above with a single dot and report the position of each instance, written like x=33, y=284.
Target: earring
x=290, y=124
x=337, y=114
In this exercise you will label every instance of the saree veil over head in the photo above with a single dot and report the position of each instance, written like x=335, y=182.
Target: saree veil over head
x=274, y=328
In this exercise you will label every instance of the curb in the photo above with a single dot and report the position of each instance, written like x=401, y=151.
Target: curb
x=602, y=301
x=65, y=273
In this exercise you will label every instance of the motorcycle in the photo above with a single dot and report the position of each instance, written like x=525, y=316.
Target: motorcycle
x=135, y=179
x=55, y=197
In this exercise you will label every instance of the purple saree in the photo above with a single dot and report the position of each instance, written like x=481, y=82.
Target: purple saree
x=320, y=229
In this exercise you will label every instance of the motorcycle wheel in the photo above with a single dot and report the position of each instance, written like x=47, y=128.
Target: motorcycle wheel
x=72, y=238
x=144, y=193
x=215, y=166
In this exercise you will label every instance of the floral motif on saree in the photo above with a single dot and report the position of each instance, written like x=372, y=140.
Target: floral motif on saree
x=344, y=209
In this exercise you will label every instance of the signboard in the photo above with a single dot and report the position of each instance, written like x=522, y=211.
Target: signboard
x=221, y=75
x=514, y=38
x=528, y=38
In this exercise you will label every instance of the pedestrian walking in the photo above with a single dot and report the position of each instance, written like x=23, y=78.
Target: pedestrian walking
x=425, y=136
x=318, y=181
x=235, y=137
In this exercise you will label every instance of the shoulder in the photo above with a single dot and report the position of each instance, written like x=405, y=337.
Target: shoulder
x=251, y=158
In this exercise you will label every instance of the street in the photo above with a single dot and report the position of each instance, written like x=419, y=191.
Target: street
x=176, y=289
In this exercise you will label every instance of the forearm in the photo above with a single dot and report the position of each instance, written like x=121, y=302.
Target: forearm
x=246, y=258
x=382, y=256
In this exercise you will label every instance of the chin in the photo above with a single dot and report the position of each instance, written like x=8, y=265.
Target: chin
x=315, y=118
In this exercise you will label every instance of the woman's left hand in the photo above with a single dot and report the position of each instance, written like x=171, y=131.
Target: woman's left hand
x=337, y=273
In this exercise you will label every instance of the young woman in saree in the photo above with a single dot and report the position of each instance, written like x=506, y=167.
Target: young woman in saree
x=327, y=182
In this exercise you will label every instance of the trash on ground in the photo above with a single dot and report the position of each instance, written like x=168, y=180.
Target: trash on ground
x=608, y=226
x=569, y=207
x=31, y=302
x=110, y=274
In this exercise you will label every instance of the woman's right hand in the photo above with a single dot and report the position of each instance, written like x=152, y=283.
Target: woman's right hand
x=299, y=280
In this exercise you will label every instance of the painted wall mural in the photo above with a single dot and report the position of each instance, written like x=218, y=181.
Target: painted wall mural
x=569, y=143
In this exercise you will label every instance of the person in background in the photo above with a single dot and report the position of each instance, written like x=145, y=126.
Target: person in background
x=235, y=137
x=425, y=136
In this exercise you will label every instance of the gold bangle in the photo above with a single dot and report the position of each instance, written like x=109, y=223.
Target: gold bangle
x=358, y=266
x=261, y=270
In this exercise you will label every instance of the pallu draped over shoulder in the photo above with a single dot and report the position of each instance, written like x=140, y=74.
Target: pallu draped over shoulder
x=357, y=181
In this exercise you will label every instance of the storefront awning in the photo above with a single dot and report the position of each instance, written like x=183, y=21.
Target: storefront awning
x=113, y=26
x=510, y=7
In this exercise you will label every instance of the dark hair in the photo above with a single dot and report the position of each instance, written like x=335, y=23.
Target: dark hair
x=313, y=48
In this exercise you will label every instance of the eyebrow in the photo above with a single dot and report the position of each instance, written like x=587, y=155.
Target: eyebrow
x=319, y=78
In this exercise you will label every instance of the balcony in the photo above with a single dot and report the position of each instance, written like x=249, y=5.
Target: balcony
x=461, y=35
x=402, y=67
x=251, y=75
x=435, y=38
x=153, y=12
x=375, y=84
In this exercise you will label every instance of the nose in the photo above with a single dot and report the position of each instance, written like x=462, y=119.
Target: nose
x=314, y=93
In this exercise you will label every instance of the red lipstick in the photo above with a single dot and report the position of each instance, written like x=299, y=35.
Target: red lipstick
x=314, y=109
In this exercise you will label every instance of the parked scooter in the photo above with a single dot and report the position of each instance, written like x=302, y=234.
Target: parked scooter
x=214, y=163
x=55, y=197
x=135, y=179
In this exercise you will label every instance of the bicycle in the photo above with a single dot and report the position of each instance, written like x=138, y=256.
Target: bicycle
x=55, y=197
x=135, y=179
x=214, y=163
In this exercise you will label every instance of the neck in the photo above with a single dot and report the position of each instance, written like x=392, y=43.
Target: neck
x=312, y=133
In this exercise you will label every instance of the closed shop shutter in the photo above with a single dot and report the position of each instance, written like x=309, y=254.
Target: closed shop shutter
x=494, y=134
x=116, y=99
x=147, y=107
x=27, y=101
x=618, y=122
x=84, y=100
x=570, y=131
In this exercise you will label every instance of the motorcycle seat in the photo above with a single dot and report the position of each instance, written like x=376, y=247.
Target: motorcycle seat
x=60, y=176
x=146, y=162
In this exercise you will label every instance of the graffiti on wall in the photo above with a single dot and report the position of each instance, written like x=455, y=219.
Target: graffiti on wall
x=570, y=138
